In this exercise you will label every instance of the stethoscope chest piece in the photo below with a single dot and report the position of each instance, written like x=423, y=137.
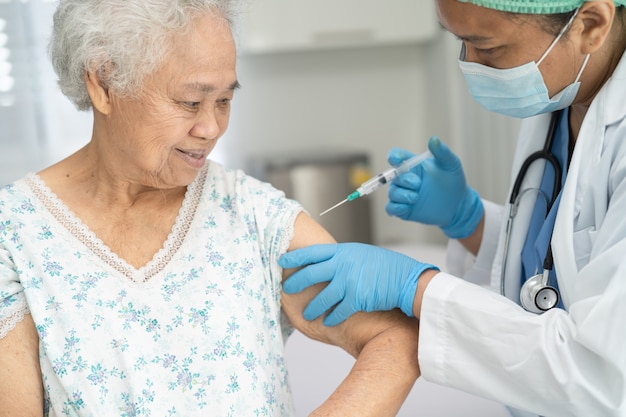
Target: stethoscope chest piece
x=537, y=296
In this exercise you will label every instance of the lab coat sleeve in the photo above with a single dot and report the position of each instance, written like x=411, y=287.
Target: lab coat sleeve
x=561, y=363
x=475, y=340
x=477, y=268
x=553, y=364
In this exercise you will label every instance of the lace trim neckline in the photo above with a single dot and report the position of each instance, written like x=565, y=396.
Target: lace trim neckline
x=57, y=208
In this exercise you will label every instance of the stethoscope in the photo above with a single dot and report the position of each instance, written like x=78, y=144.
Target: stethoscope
x=535, y=295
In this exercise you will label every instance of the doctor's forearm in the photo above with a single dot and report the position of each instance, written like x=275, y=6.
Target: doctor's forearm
x=473, y=241
x=422, y=284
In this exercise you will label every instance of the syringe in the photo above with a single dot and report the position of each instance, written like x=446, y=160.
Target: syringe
x=383, y=178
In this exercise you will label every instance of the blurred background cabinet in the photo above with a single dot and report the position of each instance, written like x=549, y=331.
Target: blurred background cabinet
x=320, y=181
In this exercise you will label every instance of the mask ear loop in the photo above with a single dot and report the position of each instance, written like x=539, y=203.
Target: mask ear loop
x=559, y=36
x=582, y=68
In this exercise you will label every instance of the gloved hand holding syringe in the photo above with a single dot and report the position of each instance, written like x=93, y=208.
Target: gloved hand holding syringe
x=383, y=178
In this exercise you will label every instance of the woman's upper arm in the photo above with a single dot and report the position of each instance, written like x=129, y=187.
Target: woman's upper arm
x=21, y=389
x=352, y=334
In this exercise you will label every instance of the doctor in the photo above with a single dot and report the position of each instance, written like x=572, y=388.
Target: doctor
x=557, y=248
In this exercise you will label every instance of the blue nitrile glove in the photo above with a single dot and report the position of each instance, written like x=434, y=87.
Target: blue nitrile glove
x=435, y=192
x=362, y=278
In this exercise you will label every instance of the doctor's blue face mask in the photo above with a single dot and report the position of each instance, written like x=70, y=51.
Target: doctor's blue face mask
x=520, y=91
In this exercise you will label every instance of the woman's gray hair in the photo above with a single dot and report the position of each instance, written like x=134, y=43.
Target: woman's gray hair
x=123, y=41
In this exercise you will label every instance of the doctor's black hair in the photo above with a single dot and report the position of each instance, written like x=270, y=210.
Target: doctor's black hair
x=549, y=23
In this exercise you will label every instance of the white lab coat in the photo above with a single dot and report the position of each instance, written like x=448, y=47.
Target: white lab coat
x=568, y=362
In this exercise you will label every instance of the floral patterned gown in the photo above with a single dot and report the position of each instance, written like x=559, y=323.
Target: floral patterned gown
x=196, y=331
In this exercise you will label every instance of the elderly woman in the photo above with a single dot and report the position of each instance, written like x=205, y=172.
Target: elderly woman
x=139, y=278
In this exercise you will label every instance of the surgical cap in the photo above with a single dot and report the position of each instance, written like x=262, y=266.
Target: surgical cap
x=533, y=6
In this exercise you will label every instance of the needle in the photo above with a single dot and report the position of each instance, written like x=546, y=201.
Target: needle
x=383, y=178
x=333, y=207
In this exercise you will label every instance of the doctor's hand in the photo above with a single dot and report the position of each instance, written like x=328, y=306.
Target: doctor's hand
x=361, y=278
x=435, y=192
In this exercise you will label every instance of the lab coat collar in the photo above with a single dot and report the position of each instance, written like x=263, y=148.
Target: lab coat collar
x=616, y=93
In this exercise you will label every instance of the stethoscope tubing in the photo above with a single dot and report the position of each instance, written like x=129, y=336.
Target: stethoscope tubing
x=515, y=197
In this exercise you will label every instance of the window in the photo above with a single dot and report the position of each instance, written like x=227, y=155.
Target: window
x=38, y=125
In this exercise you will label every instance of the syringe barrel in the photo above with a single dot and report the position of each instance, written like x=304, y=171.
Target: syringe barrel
x=384, y=177
x=373, y=184
x=407, y=164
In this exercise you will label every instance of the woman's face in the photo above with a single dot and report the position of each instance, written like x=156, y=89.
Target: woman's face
x=162, y=138
x=500, y=40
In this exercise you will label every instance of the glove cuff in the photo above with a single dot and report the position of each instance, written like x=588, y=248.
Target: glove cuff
x=407, y=296
x=468, y=217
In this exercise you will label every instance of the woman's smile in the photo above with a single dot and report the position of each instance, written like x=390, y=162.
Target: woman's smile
x=195, y=158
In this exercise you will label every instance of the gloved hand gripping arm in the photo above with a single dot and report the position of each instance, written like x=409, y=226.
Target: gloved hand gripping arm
x=362, y=278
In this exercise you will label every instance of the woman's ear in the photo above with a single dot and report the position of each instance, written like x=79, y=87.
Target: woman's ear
x=597, y=19
x=98, y=93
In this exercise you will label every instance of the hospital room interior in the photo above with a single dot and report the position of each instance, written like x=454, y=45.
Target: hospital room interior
x=327, y=89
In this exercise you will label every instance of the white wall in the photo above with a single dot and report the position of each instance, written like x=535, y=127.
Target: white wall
x=369, y=99
x=362, y=99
